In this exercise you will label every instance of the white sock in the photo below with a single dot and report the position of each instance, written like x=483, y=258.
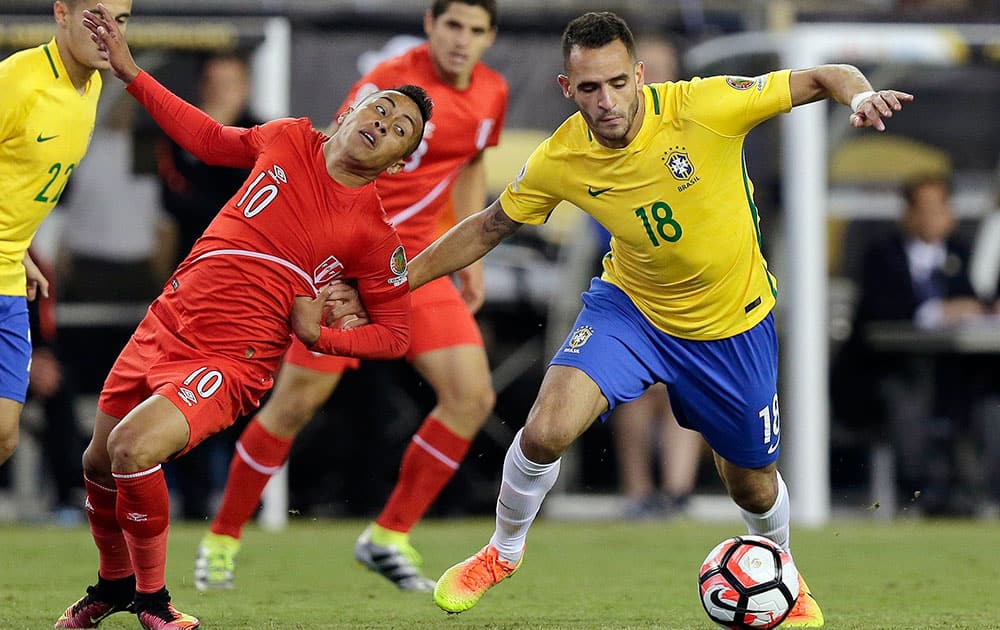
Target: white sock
x=772, y=524
x=522, y=491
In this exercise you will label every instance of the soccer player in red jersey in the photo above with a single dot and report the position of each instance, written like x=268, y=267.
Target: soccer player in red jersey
x=445, y=174
x=307, y=215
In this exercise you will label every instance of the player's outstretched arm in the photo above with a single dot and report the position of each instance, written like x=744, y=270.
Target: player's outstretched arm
x=110, y=42
x=187, y=125
x=847, y=85
x=462, y=245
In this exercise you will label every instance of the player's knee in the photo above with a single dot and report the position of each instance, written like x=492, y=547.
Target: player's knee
x=753, y=497
x=97, y=467
x=479, y=399
x=544, y=444
x=288, y=416
x=473, y=405
x=128, y=452
x=485, y=401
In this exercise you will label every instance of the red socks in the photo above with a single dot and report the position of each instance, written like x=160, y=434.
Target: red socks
x=429, y=463
x=143, y=514
x=115, y=562
x=258, y=456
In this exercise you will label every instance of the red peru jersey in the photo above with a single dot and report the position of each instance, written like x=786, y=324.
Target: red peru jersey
x=464, y=123
x=289, y=230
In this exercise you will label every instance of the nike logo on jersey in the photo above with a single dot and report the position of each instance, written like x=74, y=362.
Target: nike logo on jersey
x=42, y=138
x=599, y=191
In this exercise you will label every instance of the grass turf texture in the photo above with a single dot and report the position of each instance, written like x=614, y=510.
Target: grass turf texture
x=908, y=574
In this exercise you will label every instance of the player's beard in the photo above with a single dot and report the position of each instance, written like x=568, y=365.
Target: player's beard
x=620, y=132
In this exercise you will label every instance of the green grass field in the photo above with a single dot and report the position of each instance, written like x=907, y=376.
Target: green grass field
x=907, y=574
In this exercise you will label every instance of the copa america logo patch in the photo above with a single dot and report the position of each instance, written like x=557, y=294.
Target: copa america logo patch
x=740, y=83
x=579, y=337
x=745, y=83
x=397, y=265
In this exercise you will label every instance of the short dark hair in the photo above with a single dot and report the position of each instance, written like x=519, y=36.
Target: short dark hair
x=490, y=6
x=424, y=103
x=596, y=30
x=916, y=182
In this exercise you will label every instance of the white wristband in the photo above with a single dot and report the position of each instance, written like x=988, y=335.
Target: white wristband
x=859, y=98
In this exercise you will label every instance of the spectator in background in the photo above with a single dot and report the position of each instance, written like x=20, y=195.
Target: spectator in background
x=192, y=193
x=919, y=274
x=646, y=429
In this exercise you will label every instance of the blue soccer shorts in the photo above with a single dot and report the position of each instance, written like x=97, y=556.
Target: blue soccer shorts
x=725, y=389
x=15, y=347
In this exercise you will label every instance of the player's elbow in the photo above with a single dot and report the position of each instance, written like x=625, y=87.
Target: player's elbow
x=400, y=344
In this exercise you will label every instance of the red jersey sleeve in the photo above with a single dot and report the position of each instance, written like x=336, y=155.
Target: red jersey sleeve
x=385, y=293
x=193, y=129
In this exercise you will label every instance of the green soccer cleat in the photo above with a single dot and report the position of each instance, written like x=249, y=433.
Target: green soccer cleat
x=463, y=585
x=805, y=613
x=216, y=561
x=392, y=557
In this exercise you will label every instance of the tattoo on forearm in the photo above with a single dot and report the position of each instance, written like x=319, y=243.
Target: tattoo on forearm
x=498, y=226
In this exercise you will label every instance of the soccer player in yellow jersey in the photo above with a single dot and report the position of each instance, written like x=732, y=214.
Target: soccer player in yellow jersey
x=685, y=297
x=48, y=104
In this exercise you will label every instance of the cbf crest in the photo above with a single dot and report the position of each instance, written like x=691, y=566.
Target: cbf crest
x=679, y=163
x=579, y=337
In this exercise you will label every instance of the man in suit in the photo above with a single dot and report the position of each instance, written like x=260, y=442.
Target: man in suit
x=920, y=274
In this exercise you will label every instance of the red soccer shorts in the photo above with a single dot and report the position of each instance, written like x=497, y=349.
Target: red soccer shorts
x=440, y=320
x=210, y=390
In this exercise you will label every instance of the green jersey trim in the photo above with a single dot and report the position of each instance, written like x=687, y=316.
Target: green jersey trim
x=656, y=100
x=52, y=63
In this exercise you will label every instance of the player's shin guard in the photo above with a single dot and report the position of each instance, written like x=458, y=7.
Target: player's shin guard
x=429, y=463
x=524, y=486
x=115, y=562
x=144, y=516
x=772, y=524
x=259, y=455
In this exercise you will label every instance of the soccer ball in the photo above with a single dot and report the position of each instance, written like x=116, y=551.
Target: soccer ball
x=748, y=582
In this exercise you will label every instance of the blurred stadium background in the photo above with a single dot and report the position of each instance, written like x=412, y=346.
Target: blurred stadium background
x=814, y=189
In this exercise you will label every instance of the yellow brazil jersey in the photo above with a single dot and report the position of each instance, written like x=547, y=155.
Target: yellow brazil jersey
x=45, y=127
x=685, y=240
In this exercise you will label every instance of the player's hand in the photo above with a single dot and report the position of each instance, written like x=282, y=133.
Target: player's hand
x=343, y=308
x=36, y=280
x=877, y=106
x=472, y=286
x=110, y=42
x=307, y=313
